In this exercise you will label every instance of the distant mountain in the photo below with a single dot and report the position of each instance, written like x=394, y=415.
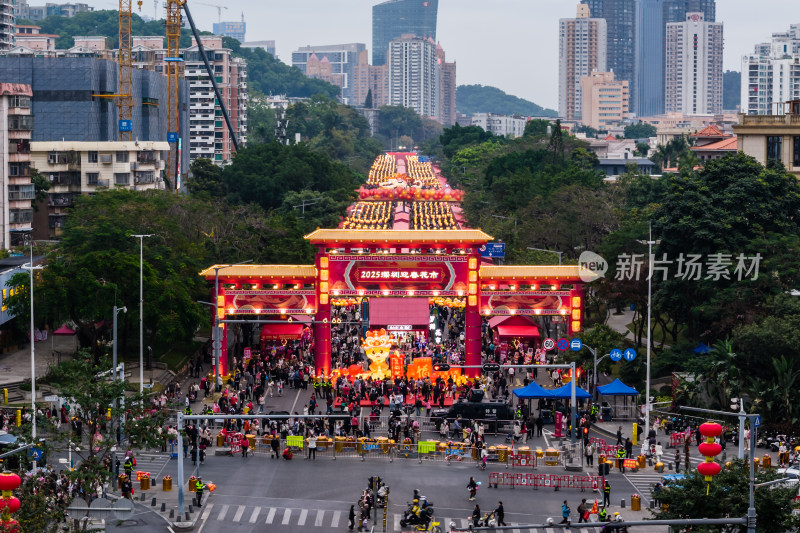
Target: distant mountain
x=486, y=99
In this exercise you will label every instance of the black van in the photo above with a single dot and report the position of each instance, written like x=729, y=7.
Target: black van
x=496, y=413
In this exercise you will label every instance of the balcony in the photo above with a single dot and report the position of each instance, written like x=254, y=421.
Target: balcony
x=19, y=147
x=98, y=183
x=20, y=123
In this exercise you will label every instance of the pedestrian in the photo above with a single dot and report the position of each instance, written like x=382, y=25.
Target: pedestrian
x=539, y=425
x=500, y=514
x=473, y=488
x=275, y=445
x=607, y=494
x=199, y=488
x=351, y=518
x=589, y=452
x=565, y=513
x=628, y=448
x=619, y=436
x=583, y=512
x=312, y=447
x=127, y=487
x=677, y=461
x=476, y=516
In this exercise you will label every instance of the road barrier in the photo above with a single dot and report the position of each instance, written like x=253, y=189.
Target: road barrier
x=554, y=481
x=677, y=439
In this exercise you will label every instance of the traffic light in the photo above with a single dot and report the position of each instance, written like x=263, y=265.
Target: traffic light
x=491, y=367
x=441, y=367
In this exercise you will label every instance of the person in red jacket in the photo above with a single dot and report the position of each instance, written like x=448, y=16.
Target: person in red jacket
x=245, y=444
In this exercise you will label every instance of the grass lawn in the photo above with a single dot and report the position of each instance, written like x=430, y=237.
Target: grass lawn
x=658, y=334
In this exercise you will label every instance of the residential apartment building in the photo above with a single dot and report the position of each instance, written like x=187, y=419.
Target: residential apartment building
x=75, y=168
x=581, y=50
x=772, y=137
x=693, y=76
x=7, y=24
x=502, y=125
x=368, y=78
x=605, y=100
x=334, y=63
x=235, y=29
x=267, y=46
x=394, y=18
x=620, y=17
x=209, y=136
x=414, y=75
x=448, y=88
x=36, y=13
x=16, y=190
x=771, y=75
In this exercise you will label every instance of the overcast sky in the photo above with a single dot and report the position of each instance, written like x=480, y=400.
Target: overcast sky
x=511, y=44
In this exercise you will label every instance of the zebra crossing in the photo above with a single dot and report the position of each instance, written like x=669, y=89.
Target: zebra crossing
x=644, y=483
x=325, y=518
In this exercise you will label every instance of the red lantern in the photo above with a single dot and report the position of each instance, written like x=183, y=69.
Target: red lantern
x=12, y=504
x=9, y=481
x=709, y=469
x=710, y=429
x=362, y=194
x=709, y=449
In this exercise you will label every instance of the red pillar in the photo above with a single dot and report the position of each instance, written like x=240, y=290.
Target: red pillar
x=322, y=318
x=472, y=320
x=223, y=343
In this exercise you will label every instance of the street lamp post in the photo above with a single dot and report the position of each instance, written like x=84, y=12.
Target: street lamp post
x=217, y=341
x=114, y=372
x=141, y=238
x=31, y=268
x=650, y=242
x=546, y=250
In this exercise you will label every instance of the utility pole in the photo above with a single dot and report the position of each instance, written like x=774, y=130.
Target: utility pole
x=31, y=268
x=141, y=310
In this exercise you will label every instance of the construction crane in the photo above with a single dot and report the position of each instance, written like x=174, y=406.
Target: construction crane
x=125, y=74
x=174, y=69
x=219, y=9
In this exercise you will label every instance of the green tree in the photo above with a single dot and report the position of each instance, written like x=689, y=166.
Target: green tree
x=727, y=496
x=368, y=100
x=40, y=186
x=396, y=121
x=536, y=126
x=206, y=179
x=486, y=99
x=640, y=131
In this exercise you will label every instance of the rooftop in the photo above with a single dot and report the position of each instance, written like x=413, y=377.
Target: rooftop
x=526, y=272
x=470, y=236
x=261, y=271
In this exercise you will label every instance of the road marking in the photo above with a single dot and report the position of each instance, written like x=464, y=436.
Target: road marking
x=397, y=522
x=303, y=516
x=287, y=515
x=207, y=511
x=239, y=513
x=271, y=515
x=336, y=516
x=318, y=521
x=223, y=512
x=297, y=397
x=253, y=518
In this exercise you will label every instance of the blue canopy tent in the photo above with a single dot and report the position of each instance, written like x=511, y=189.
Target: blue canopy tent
x=534, y=390
x=566, y=392
x=617, y=388
x=703, y=348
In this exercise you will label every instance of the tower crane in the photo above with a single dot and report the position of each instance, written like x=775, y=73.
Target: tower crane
x=174, y=71
x=125, y=74
x=219, y=9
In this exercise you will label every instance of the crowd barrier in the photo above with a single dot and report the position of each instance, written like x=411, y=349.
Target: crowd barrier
x=677, y=439
x=554, y=481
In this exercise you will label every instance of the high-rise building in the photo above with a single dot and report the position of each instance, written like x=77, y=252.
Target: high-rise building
x=16, y=190
x=648, y=82
x=268, y=46
x=394, y=18
x=6, y=24
x=605, y=100
x=210, y=137
x=414, y=75
x=771, y=75
x=340, y=59
x=693, y=77
x=235, y=29
x=448, y=88
x=649, y=52
x=369, y=78
x=25, y=11
x=620, y=17
x=581, y=50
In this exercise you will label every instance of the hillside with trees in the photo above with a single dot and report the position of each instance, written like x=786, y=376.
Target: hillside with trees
x=487, y=99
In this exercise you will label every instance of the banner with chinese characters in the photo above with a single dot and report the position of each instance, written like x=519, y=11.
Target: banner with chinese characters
x=375, y=275
x=523, y=302
x=270, y=302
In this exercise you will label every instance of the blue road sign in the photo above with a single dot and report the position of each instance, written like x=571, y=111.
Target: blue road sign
x=576, y=345
x=125, y=125
x=630, y=354
x=757, y=422
x=616, y=354
x=35, y=453
x=493, y=249
x=172, y=136
x=562, y=344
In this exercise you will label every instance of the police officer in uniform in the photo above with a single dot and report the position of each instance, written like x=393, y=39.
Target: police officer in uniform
x=199, y=488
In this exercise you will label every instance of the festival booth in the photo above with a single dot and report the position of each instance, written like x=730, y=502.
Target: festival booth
x=616, y=389
x=514, y=334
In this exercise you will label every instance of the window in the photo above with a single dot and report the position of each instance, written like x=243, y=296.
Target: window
x=19, y=101
x=18, y=169
x=796, y=155
x=122, y=157
x=92, y=178
x=774, y=147
x=122, y=178
x=92, y=157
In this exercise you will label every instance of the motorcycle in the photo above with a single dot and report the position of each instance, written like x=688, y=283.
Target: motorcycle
x=424, y=518
x=380, y=497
